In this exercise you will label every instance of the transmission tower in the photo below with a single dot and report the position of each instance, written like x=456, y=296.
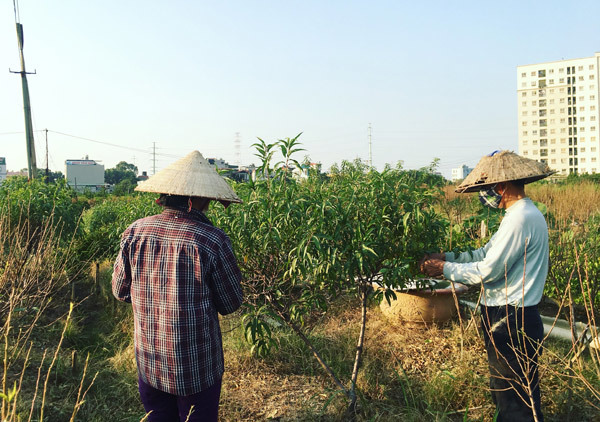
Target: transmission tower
x=237, y=145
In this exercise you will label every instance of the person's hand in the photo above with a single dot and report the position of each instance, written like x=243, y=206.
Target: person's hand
x=433, y=267
x=439, y=256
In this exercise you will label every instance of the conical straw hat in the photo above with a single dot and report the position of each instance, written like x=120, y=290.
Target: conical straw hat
x=503, y=166
x=190, y=176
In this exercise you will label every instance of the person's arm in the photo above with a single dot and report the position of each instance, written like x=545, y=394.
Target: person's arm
x=226, y=278
x=468, y=256
x=121, y=279
x=501, y=253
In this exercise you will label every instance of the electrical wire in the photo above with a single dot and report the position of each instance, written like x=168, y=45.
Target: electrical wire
x=113, y=145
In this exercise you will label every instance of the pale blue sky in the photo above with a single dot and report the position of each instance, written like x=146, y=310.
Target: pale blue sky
x=435, y=78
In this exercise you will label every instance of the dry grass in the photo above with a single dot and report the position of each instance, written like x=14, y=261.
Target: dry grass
x=568, y=203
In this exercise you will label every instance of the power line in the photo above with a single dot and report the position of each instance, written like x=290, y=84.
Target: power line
x=113, y=145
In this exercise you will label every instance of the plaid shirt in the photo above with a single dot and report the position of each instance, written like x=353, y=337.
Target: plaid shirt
x=178, y=271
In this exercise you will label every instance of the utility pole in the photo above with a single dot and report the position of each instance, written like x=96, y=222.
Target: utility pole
x=31, y=163
x=370, y=148
x=47, y=171
x=153, y=158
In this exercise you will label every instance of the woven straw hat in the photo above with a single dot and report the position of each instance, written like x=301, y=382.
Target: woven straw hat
x=190, y=176
x=503, y=166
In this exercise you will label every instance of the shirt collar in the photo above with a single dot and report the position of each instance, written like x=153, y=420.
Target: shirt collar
x=183, y=212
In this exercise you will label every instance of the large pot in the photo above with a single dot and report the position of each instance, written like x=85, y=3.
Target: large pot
x=418, y=304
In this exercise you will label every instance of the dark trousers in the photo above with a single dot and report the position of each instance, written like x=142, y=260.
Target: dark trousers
x=512, y=340
x=165, y=407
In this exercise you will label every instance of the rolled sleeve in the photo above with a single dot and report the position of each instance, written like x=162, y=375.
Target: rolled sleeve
x=499, y=255
x=121, y=278
x=226, y=280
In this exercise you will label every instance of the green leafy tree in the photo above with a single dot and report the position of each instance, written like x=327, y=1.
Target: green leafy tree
x=122, y=171
x=301, y=245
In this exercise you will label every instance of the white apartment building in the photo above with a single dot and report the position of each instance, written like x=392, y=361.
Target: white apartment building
x=459, y=173
x=558, y=109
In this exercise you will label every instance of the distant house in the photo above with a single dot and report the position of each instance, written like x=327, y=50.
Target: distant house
x=2, y=168
x=461, y=172
x=85, y=174
x=143, y=176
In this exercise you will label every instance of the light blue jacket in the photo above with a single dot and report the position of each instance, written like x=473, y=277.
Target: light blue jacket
x=513, y=265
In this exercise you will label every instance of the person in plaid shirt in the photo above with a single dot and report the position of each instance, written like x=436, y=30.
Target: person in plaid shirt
x=179, y=272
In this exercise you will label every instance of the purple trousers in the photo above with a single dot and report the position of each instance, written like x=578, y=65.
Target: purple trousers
x=165, y=407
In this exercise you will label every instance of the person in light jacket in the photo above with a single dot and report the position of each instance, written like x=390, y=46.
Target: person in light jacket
x=512, y=268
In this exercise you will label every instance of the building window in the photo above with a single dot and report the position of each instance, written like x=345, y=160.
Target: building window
x=534, y=142
x=581, y=78
x=561, y=80
x=543, y=153
x=592, y=108
x=543, y=142
x=551, y=111
x=561, y=70
x=533, y=83
x=551, y=82
x=591, y=67
x=551, y=101
x=525, y=134
x=593, y=118
x=523, y=123
x=524, y=103
x=525, y=142
x=543, y=132
x=582, y=108
x=542, y=103
x=592, y=87
x=582, y=149
x=592, y=97
x=552, y=141
x=563, y=141
x=561, y=90
x=534, y=113
x=593, y=128
x=534, y=133
x=580, y=68
x=591, y=77
x=542, y=73
x=525, y=152
x=523, y=84
x=582, y=119
x=523, y=74
x=524, y=113
x=532, y=73
x=523, y=94
x=552, y=151
x=534, y=103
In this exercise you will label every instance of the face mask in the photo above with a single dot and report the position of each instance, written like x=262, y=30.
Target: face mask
x=490, y=198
